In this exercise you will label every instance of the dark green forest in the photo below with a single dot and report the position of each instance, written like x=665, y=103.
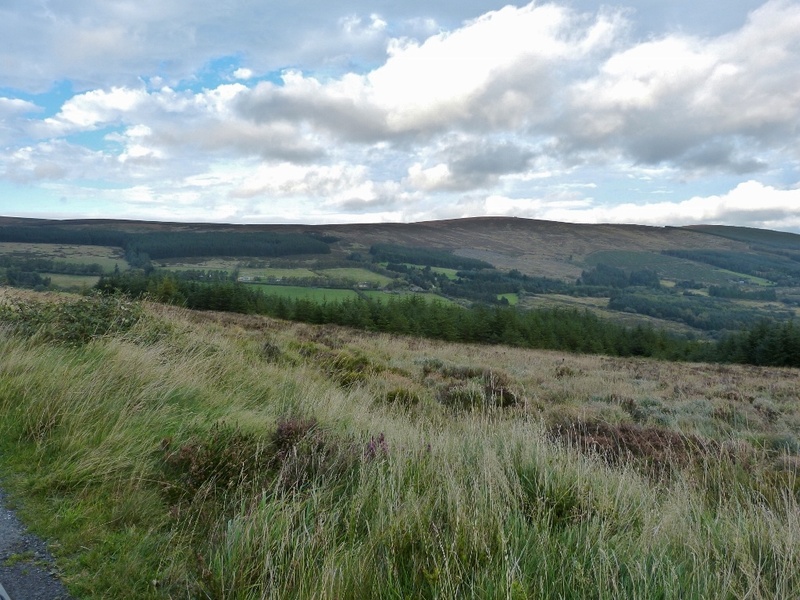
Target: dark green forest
x=776, y=268
x=140, y=248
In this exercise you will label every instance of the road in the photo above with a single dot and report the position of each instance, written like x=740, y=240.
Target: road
x=27, y=569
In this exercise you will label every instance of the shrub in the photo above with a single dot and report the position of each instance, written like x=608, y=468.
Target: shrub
x=271, y=352
x=349, y=368
x=305, y=454
x=653, y=450
x=223, y=460
x=403, y=397
x=72, y=323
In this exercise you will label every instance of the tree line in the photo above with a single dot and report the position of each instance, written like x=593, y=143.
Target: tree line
x=570, y=330
x=715, y=313
x=47, y=265
x=140, y=248
x=780, y=270
x=556, y=329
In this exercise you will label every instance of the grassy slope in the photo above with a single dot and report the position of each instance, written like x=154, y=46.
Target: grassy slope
x=355, y=466
x=541, y=248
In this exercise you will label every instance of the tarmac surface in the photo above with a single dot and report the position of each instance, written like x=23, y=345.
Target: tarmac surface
x=27, y=569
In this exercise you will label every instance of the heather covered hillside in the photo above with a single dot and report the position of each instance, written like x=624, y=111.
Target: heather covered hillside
x=174, y=453
x=695, y=282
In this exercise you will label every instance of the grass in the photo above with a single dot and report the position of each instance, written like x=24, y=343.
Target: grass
x=72, y=282
x=174, y=454
x=513, y=299
x=316, y=294
x=279, y=273
x=356, y=275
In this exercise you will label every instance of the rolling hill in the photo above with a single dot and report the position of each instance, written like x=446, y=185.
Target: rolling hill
x=704, y=271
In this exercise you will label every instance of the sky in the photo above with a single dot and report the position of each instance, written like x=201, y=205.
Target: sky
x=255, y=111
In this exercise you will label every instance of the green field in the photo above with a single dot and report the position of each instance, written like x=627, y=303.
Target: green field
x=356, y=275
x=278, y=273
x=71, y=282
x=316, y=294
x=513, y=299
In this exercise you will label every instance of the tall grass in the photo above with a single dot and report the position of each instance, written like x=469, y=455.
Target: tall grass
x=197, y=456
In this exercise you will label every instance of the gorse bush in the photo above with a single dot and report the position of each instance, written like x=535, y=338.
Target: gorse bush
x=71, y=322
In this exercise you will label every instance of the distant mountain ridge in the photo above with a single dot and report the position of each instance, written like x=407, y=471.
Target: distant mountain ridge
x=534, y=247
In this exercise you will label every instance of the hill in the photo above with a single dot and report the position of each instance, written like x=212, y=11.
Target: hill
x=702, y=280
x=170, y=453
x=538, y=248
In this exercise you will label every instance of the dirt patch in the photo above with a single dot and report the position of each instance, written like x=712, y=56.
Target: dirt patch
x=27, y=570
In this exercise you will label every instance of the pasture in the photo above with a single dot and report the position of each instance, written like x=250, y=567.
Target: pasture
x=309, y=293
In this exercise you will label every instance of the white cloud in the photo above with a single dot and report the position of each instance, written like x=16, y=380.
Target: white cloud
x=511, y=112
x=750, y=203
x=493, y=71
x=15, y=106
x=243, y=73
x=696, y=102
x=430, y=179
x=94, y=108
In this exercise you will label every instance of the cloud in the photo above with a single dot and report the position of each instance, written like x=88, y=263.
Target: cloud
x=708, y=102
x=749, y=204
x=393, y=114
x=96, y=43
x=243, y=73
x=492, y=72
x=12, y=118
x=470, y=164
x=95, y=108
x=14, y=106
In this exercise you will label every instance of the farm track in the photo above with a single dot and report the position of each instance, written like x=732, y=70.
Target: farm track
x=27, y=569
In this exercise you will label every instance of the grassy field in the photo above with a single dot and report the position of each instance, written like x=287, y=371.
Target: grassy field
x=513, y=299
x=278, y=273
x=599, y=306
x=72, y=282
x=316, y=294
x=171, y=454
x=356, y=275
